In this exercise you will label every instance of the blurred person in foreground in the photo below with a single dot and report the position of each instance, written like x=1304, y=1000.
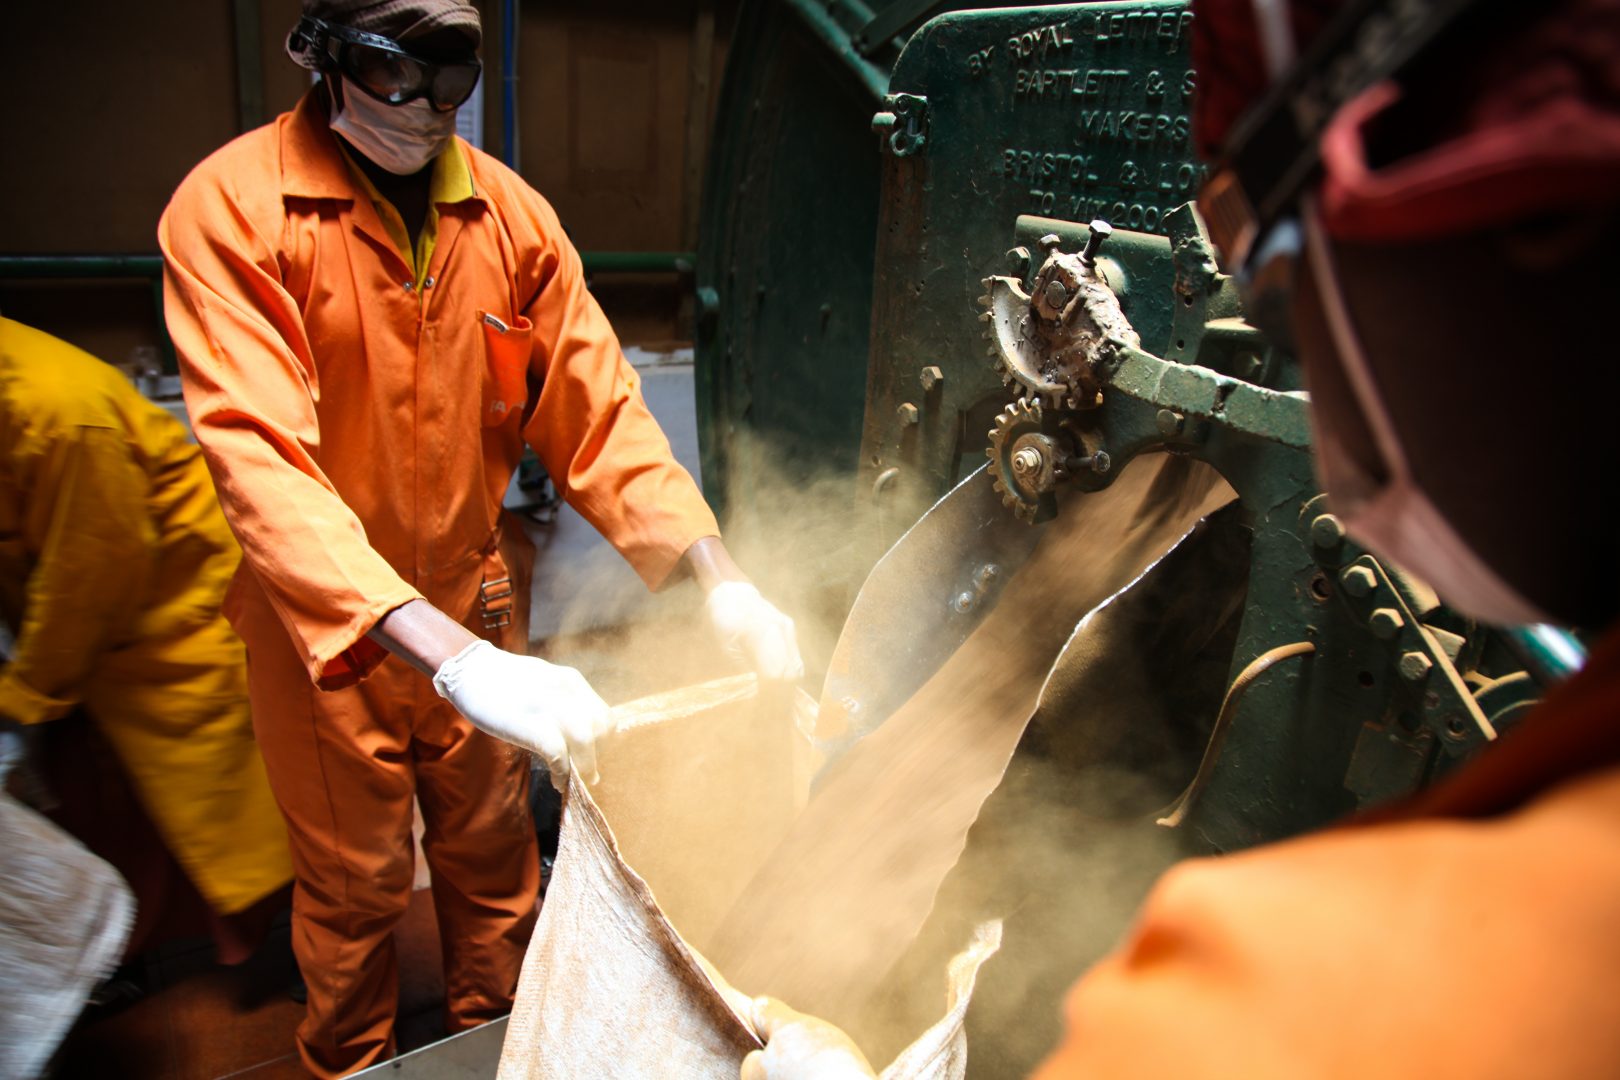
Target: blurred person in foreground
x=1444, y=272
x=373, y=318
x=114, y=559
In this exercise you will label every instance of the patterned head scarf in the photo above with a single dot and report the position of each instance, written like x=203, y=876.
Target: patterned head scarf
x=400, y=19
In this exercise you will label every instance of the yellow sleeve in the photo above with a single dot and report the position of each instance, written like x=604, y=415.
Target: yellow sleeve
x=86, y=515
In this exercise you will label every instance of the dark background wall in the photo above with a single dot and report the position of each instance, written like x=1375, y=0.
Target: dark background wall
x=110, y=104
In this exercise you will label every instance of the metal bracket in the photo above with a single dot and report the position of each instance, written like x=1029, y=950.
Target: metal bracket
x=905, y=121
x=1275, y=415
x=496, y=615
x=892, y=21
x=1444, y=705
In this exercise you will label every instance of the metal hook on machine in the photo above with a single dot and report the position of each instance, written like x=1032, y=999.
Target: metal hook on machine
x=1177, y=811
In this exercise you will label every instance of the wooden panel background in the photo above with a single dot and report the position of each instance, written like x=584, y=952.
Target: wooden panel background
x=112, y=103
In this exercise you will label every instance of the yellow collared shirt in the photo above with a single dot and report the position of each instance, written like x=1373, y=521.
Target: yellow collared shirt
x=451, y=182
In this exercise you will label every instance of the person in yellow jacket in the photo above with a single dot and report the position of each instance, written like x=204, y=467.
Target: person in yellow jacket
x=114, y=558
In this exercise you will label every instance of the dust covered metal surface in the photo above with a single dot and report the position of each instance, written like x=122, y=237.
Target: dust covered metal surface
x=1073, y=112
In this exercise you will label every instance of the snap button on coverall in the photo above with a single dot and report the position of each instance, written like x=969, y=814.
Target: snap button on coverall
x=362, y=436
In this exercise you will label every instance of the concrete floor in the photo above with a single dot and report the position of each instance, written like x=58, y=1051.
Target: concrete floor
x=581, y=584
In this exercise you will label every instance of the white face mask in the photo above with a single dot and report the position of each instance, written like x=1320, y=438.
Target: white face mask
x=1394, y=518
x=399, y=138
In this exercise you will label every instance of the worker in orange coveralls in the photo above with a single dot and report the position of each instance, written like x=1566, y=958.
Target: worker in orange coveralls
x=1442, y=265
x=372, y=319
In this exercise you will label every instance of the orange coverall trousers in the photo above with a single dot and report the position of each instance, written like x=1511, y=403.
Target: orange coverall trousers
x=344, y=766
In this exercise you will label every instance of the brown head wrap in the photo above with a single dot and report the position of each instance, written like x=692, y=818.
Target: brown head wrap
x=400, y=19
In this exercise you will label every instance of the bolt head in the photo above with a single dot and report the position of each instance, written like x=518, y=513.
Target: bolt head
x=1327, y=531
x=1049, y=243
x=1415, y=666
x=1018, y=260
x=850, y=705
x=1101, y=462
x=1385, y=623
x=964, y=602
x=1358, y=580
x=1026, y=460
x=931, y=377
x=1249, y=365
x=1056, y=294
x=908, y=414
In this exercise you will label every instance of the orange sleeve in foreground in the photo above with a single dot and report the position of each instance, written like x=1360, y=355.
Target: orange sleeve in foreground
x=248, y=375
x=1419, y=949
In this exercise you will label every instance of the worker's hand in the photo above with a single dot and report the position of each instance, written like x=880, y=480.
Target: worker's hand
x=752, y=630
x=800, y=1047
x=545, y=708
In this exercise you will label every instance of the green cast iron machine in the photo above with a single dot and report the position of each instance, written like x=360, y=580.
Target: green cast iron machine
x=998, y=315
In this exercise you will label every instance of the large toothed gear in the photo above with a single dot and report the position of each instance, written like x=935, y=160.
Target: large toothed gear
x=1052, y=341
x=1025, y=461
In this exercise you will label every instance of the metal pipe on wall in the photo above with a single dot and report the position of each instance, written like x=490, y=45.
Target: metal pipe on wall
x=150, y=267
x=249, y=64
x=509, y=77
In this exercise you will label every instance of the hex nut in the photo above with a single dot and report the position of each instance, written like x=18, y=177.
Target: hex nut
x=1415, y=666
x=931, y=377
x=1327, y=531
x=1358, y=580
x=908, y=414
x=1385, y=623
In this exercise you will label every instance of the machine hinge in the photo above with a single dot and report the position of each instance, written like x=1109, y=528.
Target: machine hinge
x=905, y=120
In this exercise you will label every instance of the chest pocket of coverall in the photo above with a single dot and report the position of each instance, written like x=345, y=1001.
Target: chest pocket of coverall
x=506, y=367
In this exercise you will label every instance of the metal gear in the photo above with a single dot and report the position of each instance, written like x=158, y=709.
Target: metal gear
x=1050, y=341
x=1026, y=462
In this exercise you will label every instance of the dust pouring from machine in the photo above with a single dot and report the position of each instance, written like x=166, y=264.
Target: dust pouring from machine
x=883, y=872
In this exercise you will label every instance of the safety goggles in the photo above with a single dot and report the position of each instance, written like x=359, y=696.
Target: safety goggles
x=381, y=67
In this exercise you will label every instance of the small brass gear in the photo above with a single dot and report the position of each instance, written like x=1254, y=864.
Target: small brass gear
x=1025, y=461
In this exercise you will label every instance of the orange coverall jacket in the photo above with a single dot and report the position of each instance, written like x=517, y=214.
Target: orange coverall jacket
x=361, y=425
x=1468, y=933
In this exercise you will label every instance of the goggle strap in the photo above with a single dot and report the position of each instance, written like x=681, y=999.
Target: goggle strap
x=1352, y=358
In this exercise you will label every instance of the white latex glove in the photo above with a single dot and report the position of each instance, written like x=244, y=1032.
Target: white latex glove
x=545, y=708
x=801, y=1047
x=752, y=630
